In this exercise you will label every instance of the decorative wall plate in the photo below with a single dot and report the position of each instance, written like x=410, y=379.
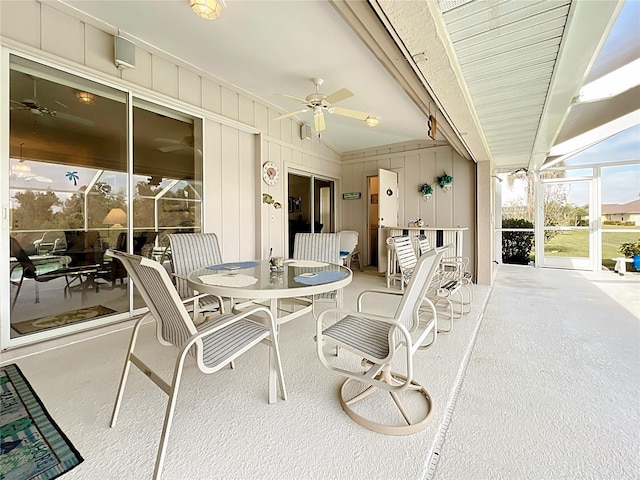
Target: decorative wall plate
x=270, y=173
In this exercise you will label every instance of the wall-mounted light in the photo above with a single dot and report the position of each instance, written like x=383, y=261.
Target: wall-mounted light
x=86, y=97
x=371, y=121
x=208, y=9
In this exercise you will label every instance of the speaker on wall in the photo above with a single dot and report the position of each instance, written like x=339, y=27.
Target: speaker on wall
x=125, y=53
x=305, y=132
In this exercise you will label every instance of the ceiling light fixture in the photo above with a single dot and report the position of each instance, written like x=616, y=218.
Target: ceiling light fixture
x=208, y=9
x=86, y=97
x=21, y=169
x=371, y=121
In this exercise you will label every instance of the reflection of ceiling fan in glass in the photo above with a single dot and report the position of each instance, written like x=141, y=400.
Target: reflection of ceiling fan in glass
x=173, y=145
x=32, y=105
x=319, y=103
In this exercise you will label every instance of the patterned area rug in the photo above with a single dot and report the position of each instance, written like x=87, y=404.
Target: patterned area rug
x=61, y=319
x=33, y=446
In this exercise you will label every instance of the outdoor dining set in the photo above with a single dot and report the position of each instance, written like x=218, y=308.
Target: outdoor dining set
x=215, y=311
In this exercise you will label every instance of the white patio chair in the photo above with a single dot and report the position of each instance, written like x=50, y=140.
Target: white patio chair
x=349, y=251
x=454, y=268
x=440, y=290
x=381, y=341
x=212, y=344
x=320, y=247
x=190, y=251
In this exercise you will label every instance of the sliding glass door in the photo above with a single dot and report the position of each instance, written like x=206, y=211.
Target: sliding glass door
x=79, y=184
x=311, y=205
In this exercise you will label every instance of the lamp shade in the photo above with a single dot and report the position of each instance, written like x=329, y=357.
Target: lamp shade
x=116, y=217
x=208, y=9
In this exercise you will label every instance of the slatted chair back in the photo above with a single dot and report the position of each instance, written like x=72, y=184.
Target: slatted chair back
x=423, y=244
x=321, y=247
x=190, y=251
x=406, y=257
x=174, y=325
x=422, y=275
x=349, y=247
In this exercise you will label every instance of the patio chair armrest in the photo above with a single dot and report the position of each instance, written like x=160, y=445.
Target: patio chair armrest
x=177, y=276
x=233, y=318
x=200, y=295
x=376, y=291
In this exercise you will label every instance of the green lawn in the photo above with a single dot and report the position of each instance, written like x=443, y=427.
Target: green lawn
x=576, y=244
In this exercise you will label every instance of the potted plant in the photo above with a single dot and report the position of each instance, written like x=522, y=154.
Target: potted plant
x=426, y=190
x=632, y=250
x=445, y=182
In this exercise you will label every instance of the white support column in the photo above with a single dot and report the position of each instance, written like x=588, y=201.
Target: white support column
x=485, y=226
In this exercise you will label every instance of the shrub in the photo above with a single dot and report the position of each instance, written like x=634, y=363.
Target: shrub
x=516, y=246
x=630, y=249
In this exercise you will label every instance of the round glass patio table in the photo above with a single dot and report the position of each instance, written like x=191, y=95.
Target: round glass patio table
x=292, y=282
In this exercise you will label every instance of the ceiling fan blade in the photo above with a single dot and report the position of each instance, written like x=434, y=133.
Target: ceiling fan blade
x=346, y=112
x=302, y=100
x=73, y=118
x=338, y=96
x=290, y=114
x=172, y=148
x=318, y=119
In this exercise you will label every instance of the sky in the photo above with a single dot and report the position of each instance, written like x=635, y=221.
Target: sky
x=620, y=184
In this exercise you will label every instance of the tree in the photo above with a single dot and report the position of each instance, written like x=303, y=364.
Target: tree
x=35, y=210
x=558, y=210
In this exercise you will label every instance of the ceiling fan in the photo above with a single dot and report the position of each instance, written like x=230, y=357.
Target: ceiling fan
x=173, y=145
x=32, y=105
x=319, y=102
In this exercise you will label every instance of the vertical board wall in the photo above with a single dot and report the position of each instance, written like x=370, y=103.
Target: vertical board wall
x=239, y=132
x=415, y=164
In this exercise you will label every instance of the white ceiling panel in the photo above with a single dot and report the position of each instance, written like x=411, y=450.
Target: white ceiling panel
x=507, y=52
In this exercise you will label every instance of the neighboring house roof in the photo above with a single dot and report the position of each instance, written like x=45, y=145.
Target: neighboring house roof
x=615, y=208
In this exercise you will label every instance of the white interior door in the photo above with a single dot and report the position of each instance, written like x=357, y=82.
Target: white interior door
x=387, y=211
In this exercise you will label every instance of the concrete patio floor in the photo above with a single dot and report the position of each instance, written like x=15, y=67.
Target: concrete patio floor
x=540, y=380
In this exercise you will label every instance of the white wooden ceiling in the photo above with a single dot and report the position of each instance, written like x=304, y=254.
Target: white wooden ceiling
x=499, y=74
x=507, y=52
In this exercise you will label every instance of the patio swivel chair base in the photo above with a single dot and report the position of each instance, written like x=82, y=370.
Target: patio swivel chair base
x=391, y=378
